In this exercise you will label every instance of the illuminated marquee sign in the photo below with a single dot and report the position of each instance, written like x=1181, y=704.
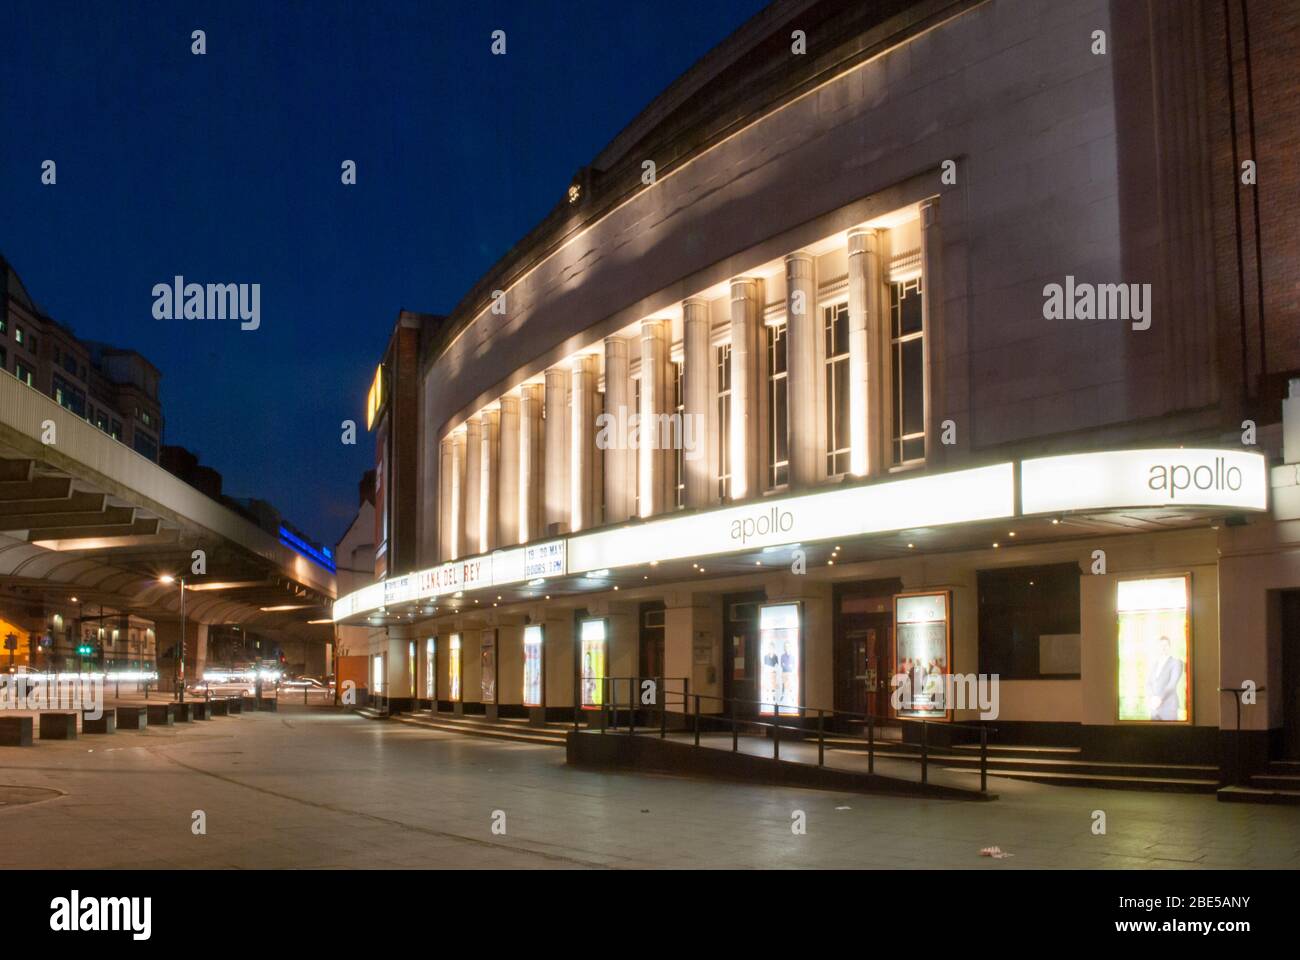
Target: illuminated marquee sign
x=375, y=398
x=1144, y=478
x=544, y=560
x=985, y=493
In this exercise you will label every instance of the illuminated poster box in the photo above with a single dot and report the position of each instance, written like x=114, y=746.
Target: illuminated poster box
x=1154, y=675
x=594, y=649
x=779, y=648
x=453, y=666
x=488, y=663
x=923, y=653
x=533, y=665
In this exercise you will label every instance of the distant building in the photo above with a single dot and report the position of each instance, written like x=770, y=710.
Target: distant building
x=114, y=389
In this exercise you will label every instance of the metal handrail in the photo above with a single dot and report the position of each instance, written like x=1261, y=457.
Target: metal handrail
x=802, y=713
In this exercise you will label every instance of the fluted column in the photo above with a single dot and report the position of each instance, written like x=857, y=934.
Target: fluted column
x=458, y=494
x=746, y=390
x=695, y=401
x=557, y=448
x=653, y=462
x=867, y=399
x=804, y=401
x=620, y=467
x=583, y=501
x=531, y=474
x=932, y=327
x=444, y=501
x=471, y=490
x=508, y=478
x=489, y=469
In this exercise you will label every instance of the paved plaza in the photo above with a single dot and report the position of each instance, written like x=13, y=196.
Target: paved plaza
x=317, y=788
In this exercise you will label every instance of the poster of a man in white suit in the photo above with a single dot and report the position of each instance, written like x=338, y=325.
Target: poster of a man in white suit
x=1163, y=681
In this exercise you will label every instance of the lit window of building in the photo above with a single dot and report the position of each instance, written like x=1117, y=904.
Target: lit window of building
x=907, y=348
x=723, y=361
x=836, y=329
x=778, y=414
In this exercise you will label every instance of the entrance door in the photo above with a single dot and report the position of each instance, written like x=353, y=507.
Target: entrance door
x=651, y=660
x=741, y=667
x=1291, y=674
x=863, y=643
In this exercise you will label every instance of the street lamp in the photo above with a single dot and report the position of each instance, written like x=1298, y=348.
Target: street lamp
x=167, y=578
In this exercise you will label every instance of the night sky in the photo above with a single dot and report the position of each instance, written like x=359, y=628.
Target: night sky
x=225, y=168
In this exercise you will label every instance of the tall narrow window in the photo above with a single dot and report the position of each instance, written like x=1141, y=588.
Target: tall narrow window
x=778, y=424
x=723, y=357
x=679, y=454
x=836, y=331
x=909, y=371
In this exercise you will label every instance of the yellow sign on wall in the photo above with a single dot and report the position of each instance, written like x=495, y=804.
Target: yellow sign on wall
x=375, y=398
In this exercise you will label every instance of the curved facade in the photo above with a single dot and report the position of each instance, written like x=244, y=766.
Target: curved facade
x=809, y=336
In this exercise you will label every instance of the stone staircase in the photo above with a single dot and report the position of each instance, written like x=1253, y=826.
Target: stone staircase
x=1279, y=782
x=515, y=730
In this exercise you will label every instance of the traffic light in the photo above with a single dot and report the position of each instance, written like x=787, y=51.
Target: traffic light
x=85, y=650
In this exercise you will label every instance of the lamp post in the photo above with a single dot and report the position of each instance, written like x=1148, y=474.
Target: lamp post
x=179, y=669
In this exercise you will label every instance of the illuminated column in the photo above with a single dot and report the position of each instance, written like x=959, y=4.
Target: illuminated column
x=508, y=476
x=746, y=391
x=695, y=402
x=804, y=401
x=444, y=499
x=931, y=328
x=620, y=469
x=531, y=475
x=583, y=501
x=557, y=449
x=652, y=469
x=489, y=469
x=457, y=494
x=471, y=486
x=866, y=380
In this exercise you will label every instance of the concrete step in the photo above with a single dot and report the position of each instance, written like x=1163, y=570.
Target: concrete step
x=1102, y=781
x=1253, y=794
x=1276, y=781
x=517, y=731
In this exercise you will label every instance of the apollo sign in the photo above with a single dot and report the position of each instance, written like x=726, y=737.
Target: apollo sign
x=1228, y=479
x=963, y=496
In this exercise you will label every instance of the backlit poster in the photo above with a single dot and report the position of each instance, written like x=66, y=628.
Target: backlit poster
x=921, y=654
x=593, y=663
x=1154, y=653
x=453, y=665
x=778, y=652
x=377, y=673
x=411, y=665
x=488, y=663
x=429, y=673
x=533, y=665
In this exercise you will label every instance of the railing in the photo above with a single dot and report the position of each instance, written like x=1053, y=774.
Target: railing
x=610, y=708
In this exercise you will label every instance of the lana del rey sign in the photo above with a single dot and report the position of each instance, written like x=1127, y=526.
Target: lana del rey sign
x=1233, y=479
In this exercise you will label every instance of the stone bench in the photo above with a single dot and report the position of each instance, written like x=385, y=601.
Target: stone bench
x=248, y=703
x=15, y=731
x=162, y=714
x=219, y=707
x=132, y=718
x=107, y=723
x=198, y=710
x=269, y=703
x=58, y=726
x=183, y=711
x=236, y=705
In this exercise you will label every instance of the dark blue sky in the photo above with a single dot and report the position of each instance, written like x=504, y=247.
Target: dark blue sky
x=225, y=168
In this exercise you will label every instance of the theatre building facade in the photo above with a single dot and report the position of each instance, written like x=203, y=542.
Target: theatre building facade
x=929, y=373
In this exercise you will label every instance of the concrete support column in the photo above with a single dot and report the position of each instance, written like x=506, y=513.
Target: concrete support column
x=397, y=667
x=472, y=497
x=932, y=327
x=557, y=449
x=867, y=398
x=653, y=473
x=693, y=623
x=559, y=671
x=489, y=468
x=583, y=499
x=458, y=533
x=746, y=388
x=508, y=477
x=804, y=402
x=531, y=475
x=695, y=413
x=620, y=467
